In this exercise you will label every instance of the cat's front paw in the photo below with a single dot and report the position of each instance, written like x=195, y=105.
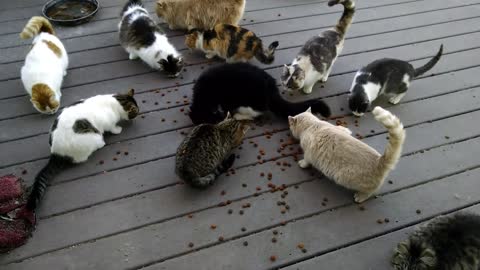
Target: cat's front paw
x=303, y=164
x=132, y=56
x=307, y=90
x=209, y=55
x=116, y=130
x=361, y=197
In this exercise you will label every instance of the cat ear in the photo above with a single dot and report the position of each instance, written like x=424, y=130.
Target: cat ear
x=162, y=63
x=131, y=92
x=228, y=116
x=291, y=120
x=309, y=110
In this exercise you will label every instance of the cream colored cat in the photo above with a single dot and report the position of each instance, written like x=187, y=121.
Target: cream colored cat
x=344, y=159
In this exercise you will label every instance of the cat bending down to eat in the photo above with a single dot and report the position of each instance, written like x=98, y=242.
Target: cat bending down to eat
x=316, y=58
x=78, y=132
x=390, y=77
x=45, y=65
x=244, y=90
x=445, y=243
x=142, y=38
x=199, y=14
x=232, y=43
x=206, y=152
x=344, y=159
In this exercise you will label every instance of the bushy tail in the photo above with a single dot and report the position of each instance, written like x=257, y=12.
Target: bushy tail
x=36, y=25
x=347, y=17
x=266, y=56
x=55, y=164
x=396, y=135
x=414, y=254
x=284, y=108
x=207, y=180
x=421, y=70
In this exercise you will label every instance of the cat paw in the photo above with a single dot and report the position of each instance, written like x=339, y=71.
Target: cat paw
x=132, y=56
x=303, y=164
x=361, y=197
x=209, y=56
x=116, y=130
x=396, y=99
x=307, y=90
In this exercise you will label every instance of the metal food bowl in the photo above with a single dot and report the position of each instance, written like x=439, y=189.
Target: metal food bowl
x=70, y=12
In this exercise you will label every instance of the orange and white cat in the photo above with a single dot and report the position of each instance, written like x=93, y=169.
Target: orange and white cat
x=45, y=65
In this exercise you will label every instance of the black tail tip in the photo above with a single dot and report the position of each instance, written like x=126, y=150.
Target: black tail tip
x=321, y=108
x=440, y=51
x=333, y=2
x=274, y=45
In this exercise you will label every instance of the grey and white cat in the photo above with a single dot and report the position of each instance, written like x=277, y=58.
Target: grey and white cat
x=387, y=76
x=316, y=58
x=78, y=132
x=142, y=38
x=206, y=152
x=445, y=243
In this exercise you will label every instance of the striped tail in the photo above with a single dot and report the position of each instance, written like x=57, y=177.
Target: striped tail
x=266, y=56
x=347, y=16
x=55, y=164
x=421, y=70
x=36, y=25
x=207, y=180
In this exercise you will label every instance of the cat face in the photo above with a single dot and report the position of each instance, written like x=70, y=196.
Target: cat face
x=358, y=101
x=297, y=123
x=163, y=9
x=238, y=129
x=43, y=99
x=293, y=77
x=129, y=104
x=172, y=66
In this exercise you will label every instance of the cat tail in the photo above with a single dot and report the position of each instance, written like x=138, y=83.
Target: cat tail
x=396, y=135
x=347, y=17
x=284, y=108
x=35, y=26
x=207, y=180
x=421, y=70
x=55, y=164
x=414, y=252
x=266, y=56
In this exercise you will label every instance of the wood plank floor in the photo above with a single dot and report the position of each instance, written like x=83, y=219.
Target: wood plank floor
x=134, y=213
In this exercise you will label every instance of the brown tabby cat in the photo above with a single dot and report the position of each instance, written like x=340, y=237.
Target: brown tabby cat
x=200, y=14
x=232, y=43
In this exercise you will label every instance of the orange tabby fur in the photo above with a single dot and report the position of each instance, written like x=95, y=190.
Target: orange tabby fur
x=54, y=48
x=43, y=96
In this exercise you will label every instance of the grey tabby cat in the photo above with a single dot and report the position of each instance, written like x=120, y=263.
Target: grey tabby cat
x=315, y=60
x=206, y=152
x=446, y=243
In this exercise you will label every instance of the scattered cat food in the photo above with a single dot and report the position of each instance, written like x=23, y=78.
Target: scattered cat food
x=262, y=174
x=325, y=199
x=190, y=245
x=379, y=221
x=419, y=211
x=240, y=212
x=324, y=204
x=101, y=162
x=279, y=15
x=223, y=192
x=114, y=159
x=213, y=226
x=220, y=238
x=126, y=153
x=258, y=188
x=163, y=120
x=274, y=240
x=273, y=258
x=190, y=216
x=244, y=185
x=243, y=229
x=390, y=182
x=283, y=211
x=275, y=232
x=118, y=152
x=230, y=211
x=446, y=137
x=247, y=205
x=245, y=243
x=24, y=172
x=251, y=20
x=301, y=246
x=142, y=116
x=143, y=101
x=304, y=250
x=361, y=207
x=386, y=220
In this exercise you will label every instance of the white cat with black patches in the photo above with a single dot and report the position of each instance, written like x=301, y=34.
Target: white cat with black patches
x=316, y=58
x=78, y=132
x=389, y=77
x=142, y=38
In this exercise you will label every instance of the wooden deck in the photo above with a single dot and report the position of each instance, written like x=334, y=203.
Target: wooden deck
x=135, y=213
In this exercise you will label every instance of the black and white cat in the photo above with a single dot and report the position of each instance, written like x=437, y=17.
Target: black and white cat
x=316, y=58
x=142, y=38
x=78, y=132
x=247, y=92
x=390, y=77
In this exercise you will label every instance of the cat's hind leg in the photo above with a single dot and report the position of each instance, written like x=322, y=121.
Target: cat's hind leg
x=362, y=196
x=132, y=56
x=116, y=130
x=307, y=89
x=397, y=97
x=303, y=163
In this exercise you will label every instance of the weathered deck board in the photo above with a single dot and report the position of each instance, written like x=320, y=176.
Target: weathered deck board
x=131, y=213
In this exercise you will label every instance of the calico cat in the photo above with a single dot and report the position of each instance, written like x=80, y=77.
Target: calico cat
x=232, y=43
x=199, y=14
x=316, y=58
x=445, y=243
x=344, y=159
x=206, y=152
x=141, y=37
x=244, y=90
x=78, y=132
x=390, y=77
x=45, y=65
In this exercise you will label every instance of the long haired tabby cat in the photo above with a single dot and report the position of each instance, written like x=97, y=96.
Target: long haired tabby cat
x=232, y=43
x=200, y=14
x=244, y=90
x=45, y=65
x=315, y=60
x=205, y=153
x=141, y=37
x=344, y=159
x=445, y=243
x=78, y=132
x=387, y=76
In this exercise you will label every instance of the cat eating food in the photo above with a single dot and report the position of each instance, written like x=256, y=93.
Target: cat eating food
x=45, y=65
x=205, y=153
x=199, y=14
x=344, y=159
x=390, y=77
x=445, y=243
x=142, y=38
x=233, y=43
x=78, y=132
x=244, y=90
x=316, y=58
